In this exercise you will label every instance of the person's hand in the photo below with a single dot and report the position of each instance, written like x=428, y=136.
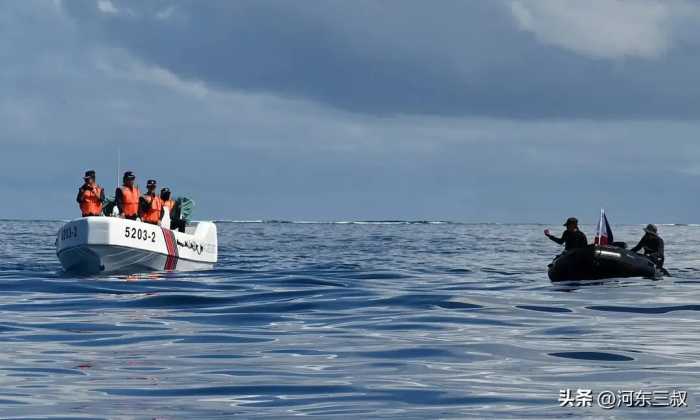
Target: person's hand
x=546, y=232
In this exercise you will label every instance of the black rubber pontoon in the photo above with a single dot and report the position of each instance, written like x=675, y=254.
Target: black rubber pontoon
x=600, y=262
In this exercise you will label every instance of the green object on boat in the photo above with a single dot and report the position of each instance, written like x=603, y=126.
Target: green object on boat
x=184, y=207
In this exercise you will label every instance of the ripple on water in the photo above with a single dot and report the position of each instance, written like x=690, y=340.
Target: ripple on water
x=332, y=320
x=593, y=355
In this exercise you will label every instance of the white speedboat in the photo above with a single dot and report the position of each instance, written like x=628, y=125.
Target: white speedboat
x=112, y=245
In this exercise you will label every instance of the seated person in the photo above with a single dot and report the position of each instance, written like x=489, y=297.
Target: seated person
x=653, y=246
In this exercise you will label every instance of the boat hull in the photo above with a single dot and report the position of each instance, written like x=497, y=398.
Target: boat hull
x=600, y=262
x=111, y=245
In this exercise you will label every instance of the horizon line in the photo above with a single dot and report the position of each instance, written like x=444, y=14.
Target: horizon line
x=367, y=221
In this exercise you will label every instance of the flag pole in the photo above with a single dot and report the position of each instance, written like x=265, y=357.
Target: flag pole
x=600, y=221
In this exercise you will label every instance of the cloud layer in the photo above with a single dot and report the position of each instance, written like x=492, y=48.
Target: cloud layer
x=492, y=59
x=475, y=111
x=609, y=29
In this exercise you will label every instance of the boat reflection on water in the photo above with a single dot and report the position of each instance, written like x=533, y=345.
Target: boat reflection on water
x=142, y=276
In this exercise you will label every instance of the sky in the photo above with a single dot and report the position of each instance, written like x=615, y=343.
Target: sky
x=508, y=111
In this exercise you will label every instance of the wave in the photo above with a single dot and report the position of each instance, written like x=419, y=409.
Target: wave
x=395, y=222
x=343, y=222
x=239, y=221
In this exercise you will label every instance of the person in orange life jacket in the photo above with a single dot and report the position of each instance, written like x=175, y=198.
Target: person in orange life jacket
x=166, y=200
x=90, y=196
x=175, y=222
x=127, y=197
x=150, y=205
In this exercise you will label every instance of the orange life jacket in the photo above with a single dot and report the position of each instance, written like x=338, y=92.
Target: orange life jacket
x=91, y=204
x=169, y=204
x=130, y=201
x=152, y=213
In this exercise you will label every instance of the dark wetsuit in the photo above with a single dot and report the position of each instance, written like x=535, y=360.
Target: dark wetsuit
x=572, y=240
x=653, y=247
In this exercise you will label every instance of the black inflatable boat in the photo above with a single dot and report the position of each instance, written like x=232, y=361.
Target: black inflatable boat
x=600, y=262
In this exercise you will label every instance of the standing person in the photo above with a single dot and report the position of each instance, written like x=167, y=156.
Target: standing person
x=150, y=205
x=177, y=222
x=168, y=208
x=127, y=197
x=90, y=196
x=167, y=201
x=572, y=237
x=653, y=246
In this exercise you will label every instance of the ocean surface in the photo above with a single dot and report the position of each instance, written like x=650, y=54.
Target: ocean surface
x=362, y=320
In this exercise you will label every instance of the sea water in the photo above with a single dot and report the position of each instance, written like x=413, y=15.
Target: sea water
x=371, y=320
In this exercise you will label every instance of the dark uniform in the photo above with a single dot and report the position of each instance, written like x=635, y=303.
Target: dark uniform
x=653, y=245
x=571, y=240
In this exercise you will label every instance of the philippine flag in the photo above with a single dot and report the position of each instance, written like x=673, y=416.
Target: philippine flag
x=604, y=235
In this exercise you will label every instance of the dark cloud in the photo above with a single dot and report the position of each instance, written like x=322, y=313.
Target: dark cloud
x=244, y=106
x=392, y=57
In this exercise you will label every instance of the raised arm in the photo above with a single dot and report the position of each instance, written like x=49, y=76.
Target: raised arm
x=560, y=241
